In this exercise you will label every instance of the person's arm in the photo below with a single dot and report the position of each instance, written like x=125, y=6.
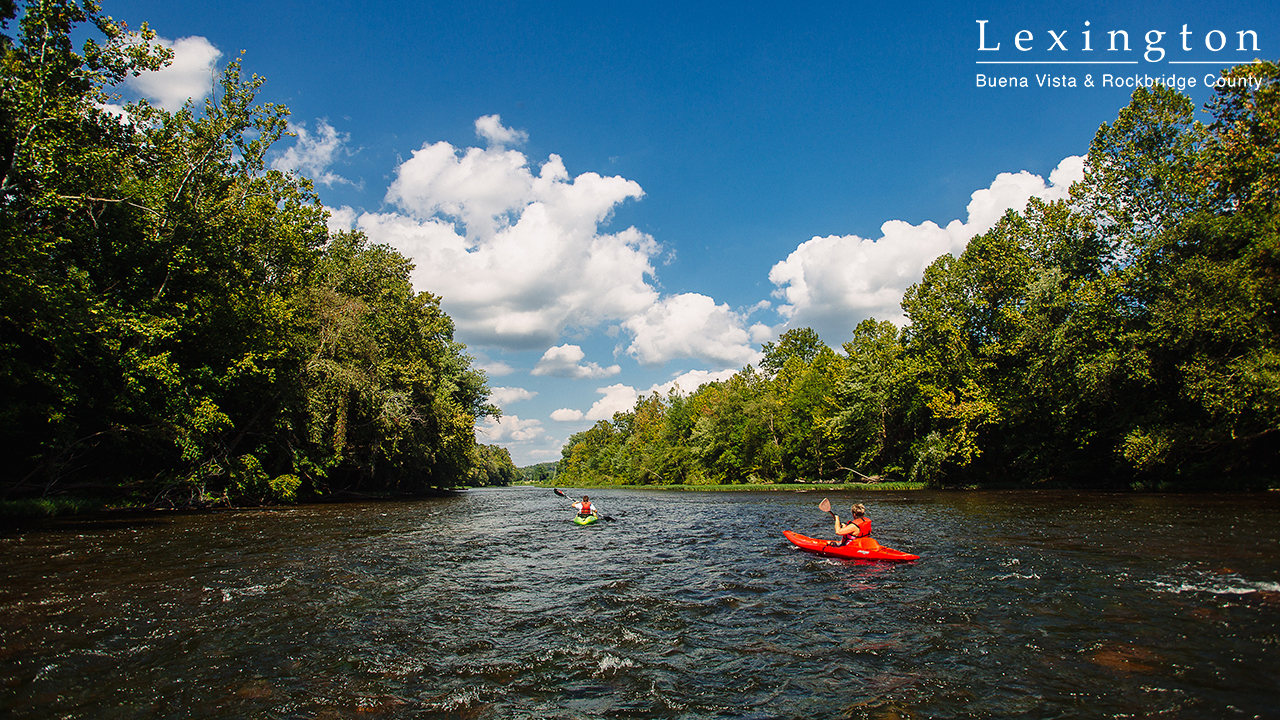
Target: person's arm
x=845, y=529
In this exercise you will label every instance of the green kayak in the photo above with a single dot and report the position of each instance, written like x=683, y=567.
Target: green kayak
x=585, y=520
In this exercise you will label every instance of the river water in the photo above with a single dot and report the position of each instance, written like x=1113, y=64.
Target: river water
x=492, y=604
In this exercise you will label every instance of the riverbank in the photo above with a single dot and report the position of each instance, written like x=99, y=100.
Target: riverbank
x=17, y=514
x=765, y=487
x=13, y=512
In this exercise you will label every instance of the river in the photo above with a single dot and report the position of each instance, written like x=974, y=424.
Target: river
x=492, y=604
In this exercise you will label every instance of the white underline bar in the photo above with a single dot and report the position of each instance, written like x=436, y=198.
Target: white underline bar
x=1056, y=62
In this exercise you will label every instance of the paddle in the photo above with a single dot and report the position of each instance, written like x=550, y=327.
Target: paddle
x=566, y=497
x=824, y=506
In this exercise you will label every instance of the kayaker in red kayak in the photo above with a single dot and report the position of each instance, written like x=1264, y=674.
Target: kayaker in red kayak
x=854, y=541
x=858, y=527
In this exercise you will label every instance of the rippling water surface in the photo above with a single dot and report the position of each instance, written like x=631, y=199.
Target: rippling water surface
x=492, y=604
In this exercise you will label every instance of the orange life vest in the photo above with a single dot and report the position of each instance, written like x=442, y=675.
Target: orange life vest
x=864, y=526
x=864, y=529
x=585, y=509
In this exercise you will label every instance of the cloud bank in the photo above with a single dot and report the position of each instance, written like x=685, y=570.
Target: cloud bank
x=521, y=255
x=517, y=255
x=509, y=429
x=693, y=325
x=831, y=283
x=622, y=398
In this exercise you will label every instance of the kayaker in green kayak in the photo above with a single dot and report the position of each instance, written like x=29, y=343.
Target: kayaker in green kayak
x=588, y=512
x=585, y=508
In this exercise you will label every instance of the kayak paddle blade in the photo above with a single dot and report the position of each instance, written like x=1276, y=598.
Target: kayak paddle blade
x=824, y=506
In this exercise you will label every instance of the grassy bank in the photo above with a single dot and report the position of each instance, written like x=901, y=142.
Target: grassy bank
x=21, y=512
x=32, y=511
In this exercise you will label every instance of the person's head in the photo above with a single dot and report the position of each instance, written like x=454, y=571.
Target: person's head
x=859, y=510
x=585, y=498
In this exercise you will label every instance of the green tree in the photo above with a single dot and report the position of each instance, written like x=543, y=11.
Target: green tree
x=390, y=397
x=540, y=473
x=806, y=394
x=737, y=435
x=870, y=400
x=1126, y=336
x=1142, y=173
x=589, y=456
x=493, y=467
x=175, y=322
x=800, y=343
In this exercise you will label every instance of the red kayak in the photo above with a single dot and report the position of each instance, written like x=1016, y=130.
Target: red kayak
x=860, y=549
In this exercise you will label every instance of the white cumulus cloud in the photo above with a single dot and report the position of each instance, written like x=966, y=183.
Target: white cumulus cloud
x=189, y=76
x=491, y=367
x=340, y=218
x=509, y=428
x=504, y=396
x=516, y=256
x=314, y=152
x=565, y=361
x=831, y=283
x=691, y=325
x=617, y=398
x=566, y=415
x=481, y=187
x=687, y=383
x=490, y=128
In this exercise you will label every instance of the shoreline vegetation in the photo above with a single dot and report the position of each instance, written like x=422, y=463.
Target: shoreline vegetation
x=18, y=514
x=29, y=511
x=760, y=487
x=180, y=330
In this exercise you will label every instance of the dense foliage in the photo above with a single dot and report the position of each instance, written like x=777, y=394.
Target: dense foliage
x=540, y=473
x=176, y=323
x=493, y=467
x=1126, y=337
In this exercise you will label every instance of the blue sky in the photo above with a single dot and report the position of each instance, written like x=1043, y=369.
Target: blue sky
x=609, y=197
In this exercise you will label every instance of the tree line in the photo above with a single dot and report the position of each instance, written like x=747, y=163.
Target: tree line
x=1125, y=337
x=177, y=325
x=540, y=472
